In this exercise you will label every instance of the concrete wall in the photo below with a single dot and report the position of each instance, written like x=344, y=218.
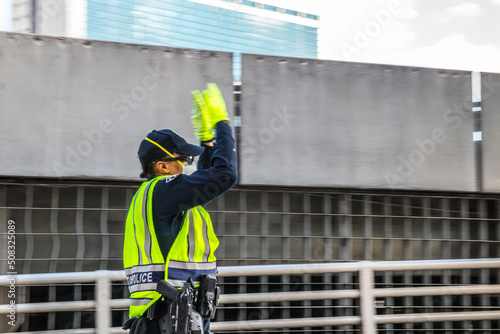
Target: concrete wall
x=490, y=125
x=77, y=108
x=325, y=123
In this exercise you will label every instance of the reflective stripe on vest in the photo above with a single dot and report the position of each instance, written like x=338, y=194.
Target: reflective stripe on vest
x=139, y=301
x=180, y=272
x=191, y=255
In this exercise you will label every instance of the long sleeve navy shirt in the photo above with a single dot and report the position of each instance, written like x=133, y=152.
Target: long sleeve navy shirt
x=216, y=174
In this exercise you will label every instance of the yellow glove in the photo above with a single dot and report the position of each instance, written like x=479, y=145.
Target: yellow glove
x=199, y=118
x=216, y=107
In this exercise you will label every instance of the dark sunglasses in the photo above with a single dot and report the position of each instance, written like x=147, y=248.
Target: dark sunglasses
x=186, y=160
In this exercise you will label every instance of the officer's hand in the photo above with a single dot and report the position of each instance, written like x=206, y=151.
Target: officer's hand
x=216, y=107
x=199, y=118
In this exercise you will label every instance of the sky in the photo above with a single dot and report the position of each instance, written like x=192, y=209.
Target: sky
x=450, y=34
x=5, y=13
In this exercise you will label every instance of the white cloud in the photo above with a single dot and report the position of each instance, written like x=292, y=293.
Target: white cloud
x=408, y=11
x=467, y=9
x=496, y=2
x=452, y=52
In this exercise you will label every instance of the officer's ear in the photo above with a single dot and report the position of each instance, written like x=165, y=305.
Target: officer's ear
x=162, y=168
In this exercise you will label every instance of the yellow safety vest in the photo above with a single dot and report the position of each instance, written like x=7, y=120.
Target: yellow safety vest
x=191, y=255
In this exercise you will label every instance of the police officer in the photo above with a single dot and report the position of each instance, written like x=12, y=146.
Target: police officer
x=169, y=235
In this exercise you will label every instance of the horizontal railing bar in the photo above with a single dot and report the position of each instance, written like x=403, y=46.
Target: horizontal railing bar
x=119, y=303
x=55, y=278
x=437, y=291
x=287, y=269
x=434, y=264
x=50, y=307
x=112, y=330
x=321, y=268
x=284, y=323
x=67, y=331
x=287, y=296
x=435, y=317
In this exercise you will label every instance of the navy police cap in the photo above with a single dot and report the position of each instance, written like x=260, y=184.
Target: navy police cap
x=161, y=143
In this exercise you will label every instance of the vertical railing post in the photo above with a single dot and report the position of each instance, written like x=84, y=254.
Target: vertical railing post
x=102, y=298
x=367, y=300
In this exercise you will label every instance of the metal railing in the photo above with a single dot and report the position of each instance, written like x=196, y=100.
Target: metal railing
x=367, y=292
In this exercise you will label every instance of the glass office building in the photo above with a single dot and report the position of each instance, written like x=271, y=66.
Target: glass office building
x=226, y=26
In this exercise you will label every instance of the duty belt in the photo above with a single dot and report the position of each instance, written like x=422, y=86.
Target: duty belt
x=186, y=307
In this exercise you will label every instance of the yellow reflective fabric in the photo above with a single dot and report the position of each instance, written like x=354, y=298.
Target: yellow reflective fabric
x=197, y=222
x=130, y=249
x=195, y=244
x=180, y=245
x=141, y=247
